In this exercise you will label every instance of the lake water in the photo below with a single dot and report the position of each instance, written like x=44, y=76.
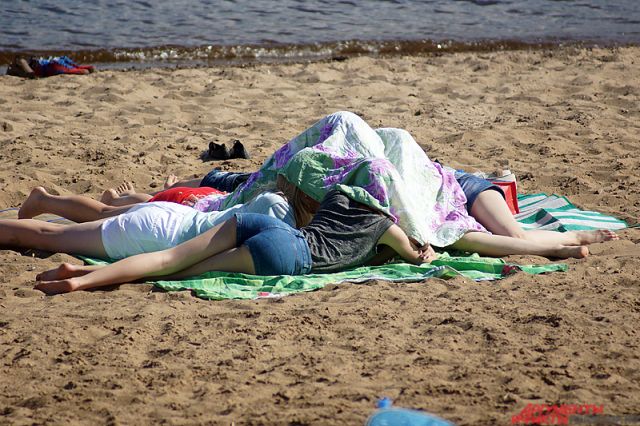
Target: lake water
x=149, y=31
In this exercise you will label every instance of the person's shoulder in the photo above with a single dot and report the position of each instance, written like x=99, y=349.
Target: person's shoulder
x=335, y=196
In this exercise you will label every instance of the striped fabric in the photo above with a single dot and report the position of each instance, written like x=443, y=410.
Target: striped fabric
x=556, y=213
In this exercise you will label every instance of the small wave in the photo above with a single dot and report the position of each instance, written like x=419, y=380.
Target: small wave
x=274, y=52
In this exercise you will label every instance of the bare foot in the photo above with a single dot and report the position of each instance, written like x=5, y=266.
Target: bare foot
x=111, y=195
x=56, y=287
x=32, y=206
x=578, y=252
x=64, y=271
x=598, y=236
x=170, y=181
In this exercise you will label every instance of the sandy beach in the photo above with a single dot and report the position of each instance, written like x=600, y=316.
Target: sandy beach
x=565, y=121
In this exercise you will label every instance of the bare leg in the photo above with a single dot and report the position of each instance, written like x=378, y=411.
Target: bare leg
x=170, y=181
x=234, y=260
x=187, y=183
x=81, y=238
x=66, y=270
x=124, y=195
x=72, y=207
x=491, y=210
x=201, y=251
x=498, y=245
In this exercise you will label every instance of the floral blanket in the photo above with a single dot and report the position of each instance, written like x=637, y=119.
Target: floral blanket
x=384, y=168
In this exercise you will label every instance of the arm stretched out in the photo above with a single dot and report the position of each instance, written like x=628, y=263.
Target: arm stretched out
x=212, y=250
x=395, y=238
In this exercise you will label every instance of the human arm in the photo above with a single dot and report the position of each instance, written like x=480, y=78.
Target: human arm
x=407, y=248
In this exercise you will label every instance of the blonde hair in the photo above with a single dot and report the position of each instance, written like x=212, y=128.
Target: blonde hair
x=304, y=207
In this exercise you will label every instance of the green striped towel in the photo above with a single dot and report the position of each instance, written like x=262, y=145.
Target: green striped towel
x=556, y=213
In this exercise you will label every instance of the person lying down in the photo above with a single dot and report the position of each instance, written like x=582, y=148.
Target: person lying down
x=429, y=205
x=342, y=234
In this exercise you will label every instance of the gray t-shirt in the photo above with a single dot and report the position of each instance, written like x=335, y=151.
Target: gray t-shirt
x=343, y=233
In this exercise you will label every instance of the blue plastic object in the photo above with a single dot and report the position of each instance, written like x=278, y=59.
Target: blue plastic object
x=387, y=415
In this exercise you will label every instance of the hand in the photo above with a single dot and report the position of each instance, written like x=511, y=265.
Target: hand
x=417, y=245
x=425, y=253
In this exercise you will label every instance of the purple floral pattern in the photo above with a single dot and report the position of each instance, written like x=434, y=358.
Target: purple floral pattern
x=385, y=169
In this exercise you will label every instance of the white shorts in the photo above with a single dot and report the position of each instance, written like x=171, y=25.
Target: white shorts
x=160, y=225
x=144, y=228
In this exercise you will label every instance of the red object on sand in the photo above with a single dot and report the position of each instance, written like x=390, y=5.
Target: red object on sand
x=510, y=194
x=180, y=194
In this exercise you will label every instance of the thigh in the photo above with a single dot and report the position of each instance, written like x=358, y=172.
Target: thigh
x=473, y=186
x=491, y=211
x=80, y=238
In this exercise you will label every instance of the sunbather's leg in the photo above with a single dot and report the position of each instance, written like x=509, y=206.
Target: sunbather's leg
x=81, y=238
x=234, y=260
x=214, y=249
x=66, y=270
x=186, y=183
x=124, y=195
x=72, y=207
x=490, y=209
x=498, y=245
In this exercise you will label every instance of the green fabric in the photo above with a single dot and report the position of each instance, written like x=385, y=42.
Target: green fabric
x=538, y=211
x=224, y=285
x=220, y=285
x=556, y=213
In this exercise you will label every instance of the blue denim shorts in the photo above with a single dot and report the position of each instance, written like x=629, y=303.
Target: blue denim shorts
x=473, y=185
x=224, y=181
x=276, y=248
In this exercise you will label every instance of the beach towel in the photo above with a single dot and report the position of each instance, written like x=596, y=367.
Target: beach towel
x=226, y=285
x=538, y=211
x=556, y=213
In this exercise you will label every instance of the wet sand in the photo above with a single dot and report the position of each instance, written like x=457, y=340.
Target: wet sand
x=565, y=121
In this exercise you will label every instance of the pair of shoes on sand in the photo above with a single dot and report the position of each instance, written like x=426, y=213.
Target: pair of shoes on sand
x=219, y=151
x=20, y=68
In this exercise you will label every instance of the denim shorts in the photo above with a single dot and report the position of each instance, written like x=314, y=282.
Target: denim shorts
x=276, y=248
x=473, y=185
x=224, y=181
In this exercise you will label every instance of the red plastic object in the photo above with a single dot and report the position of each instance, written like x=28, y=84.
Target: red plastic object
x=511, y=195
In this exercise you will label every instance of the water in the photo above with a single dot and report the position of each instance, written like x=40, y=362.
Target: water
x=206, y=31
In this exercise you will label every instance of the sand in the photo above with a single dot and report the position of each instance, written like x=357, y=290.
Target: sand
x=565, y=121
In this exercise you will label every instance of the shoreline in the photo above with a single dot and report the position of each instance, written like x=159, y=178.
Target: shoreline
x=171, y=56
x=565, y=121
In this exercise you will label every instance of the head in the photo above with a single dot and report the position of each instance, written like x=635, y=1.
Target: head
x=304, y=207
